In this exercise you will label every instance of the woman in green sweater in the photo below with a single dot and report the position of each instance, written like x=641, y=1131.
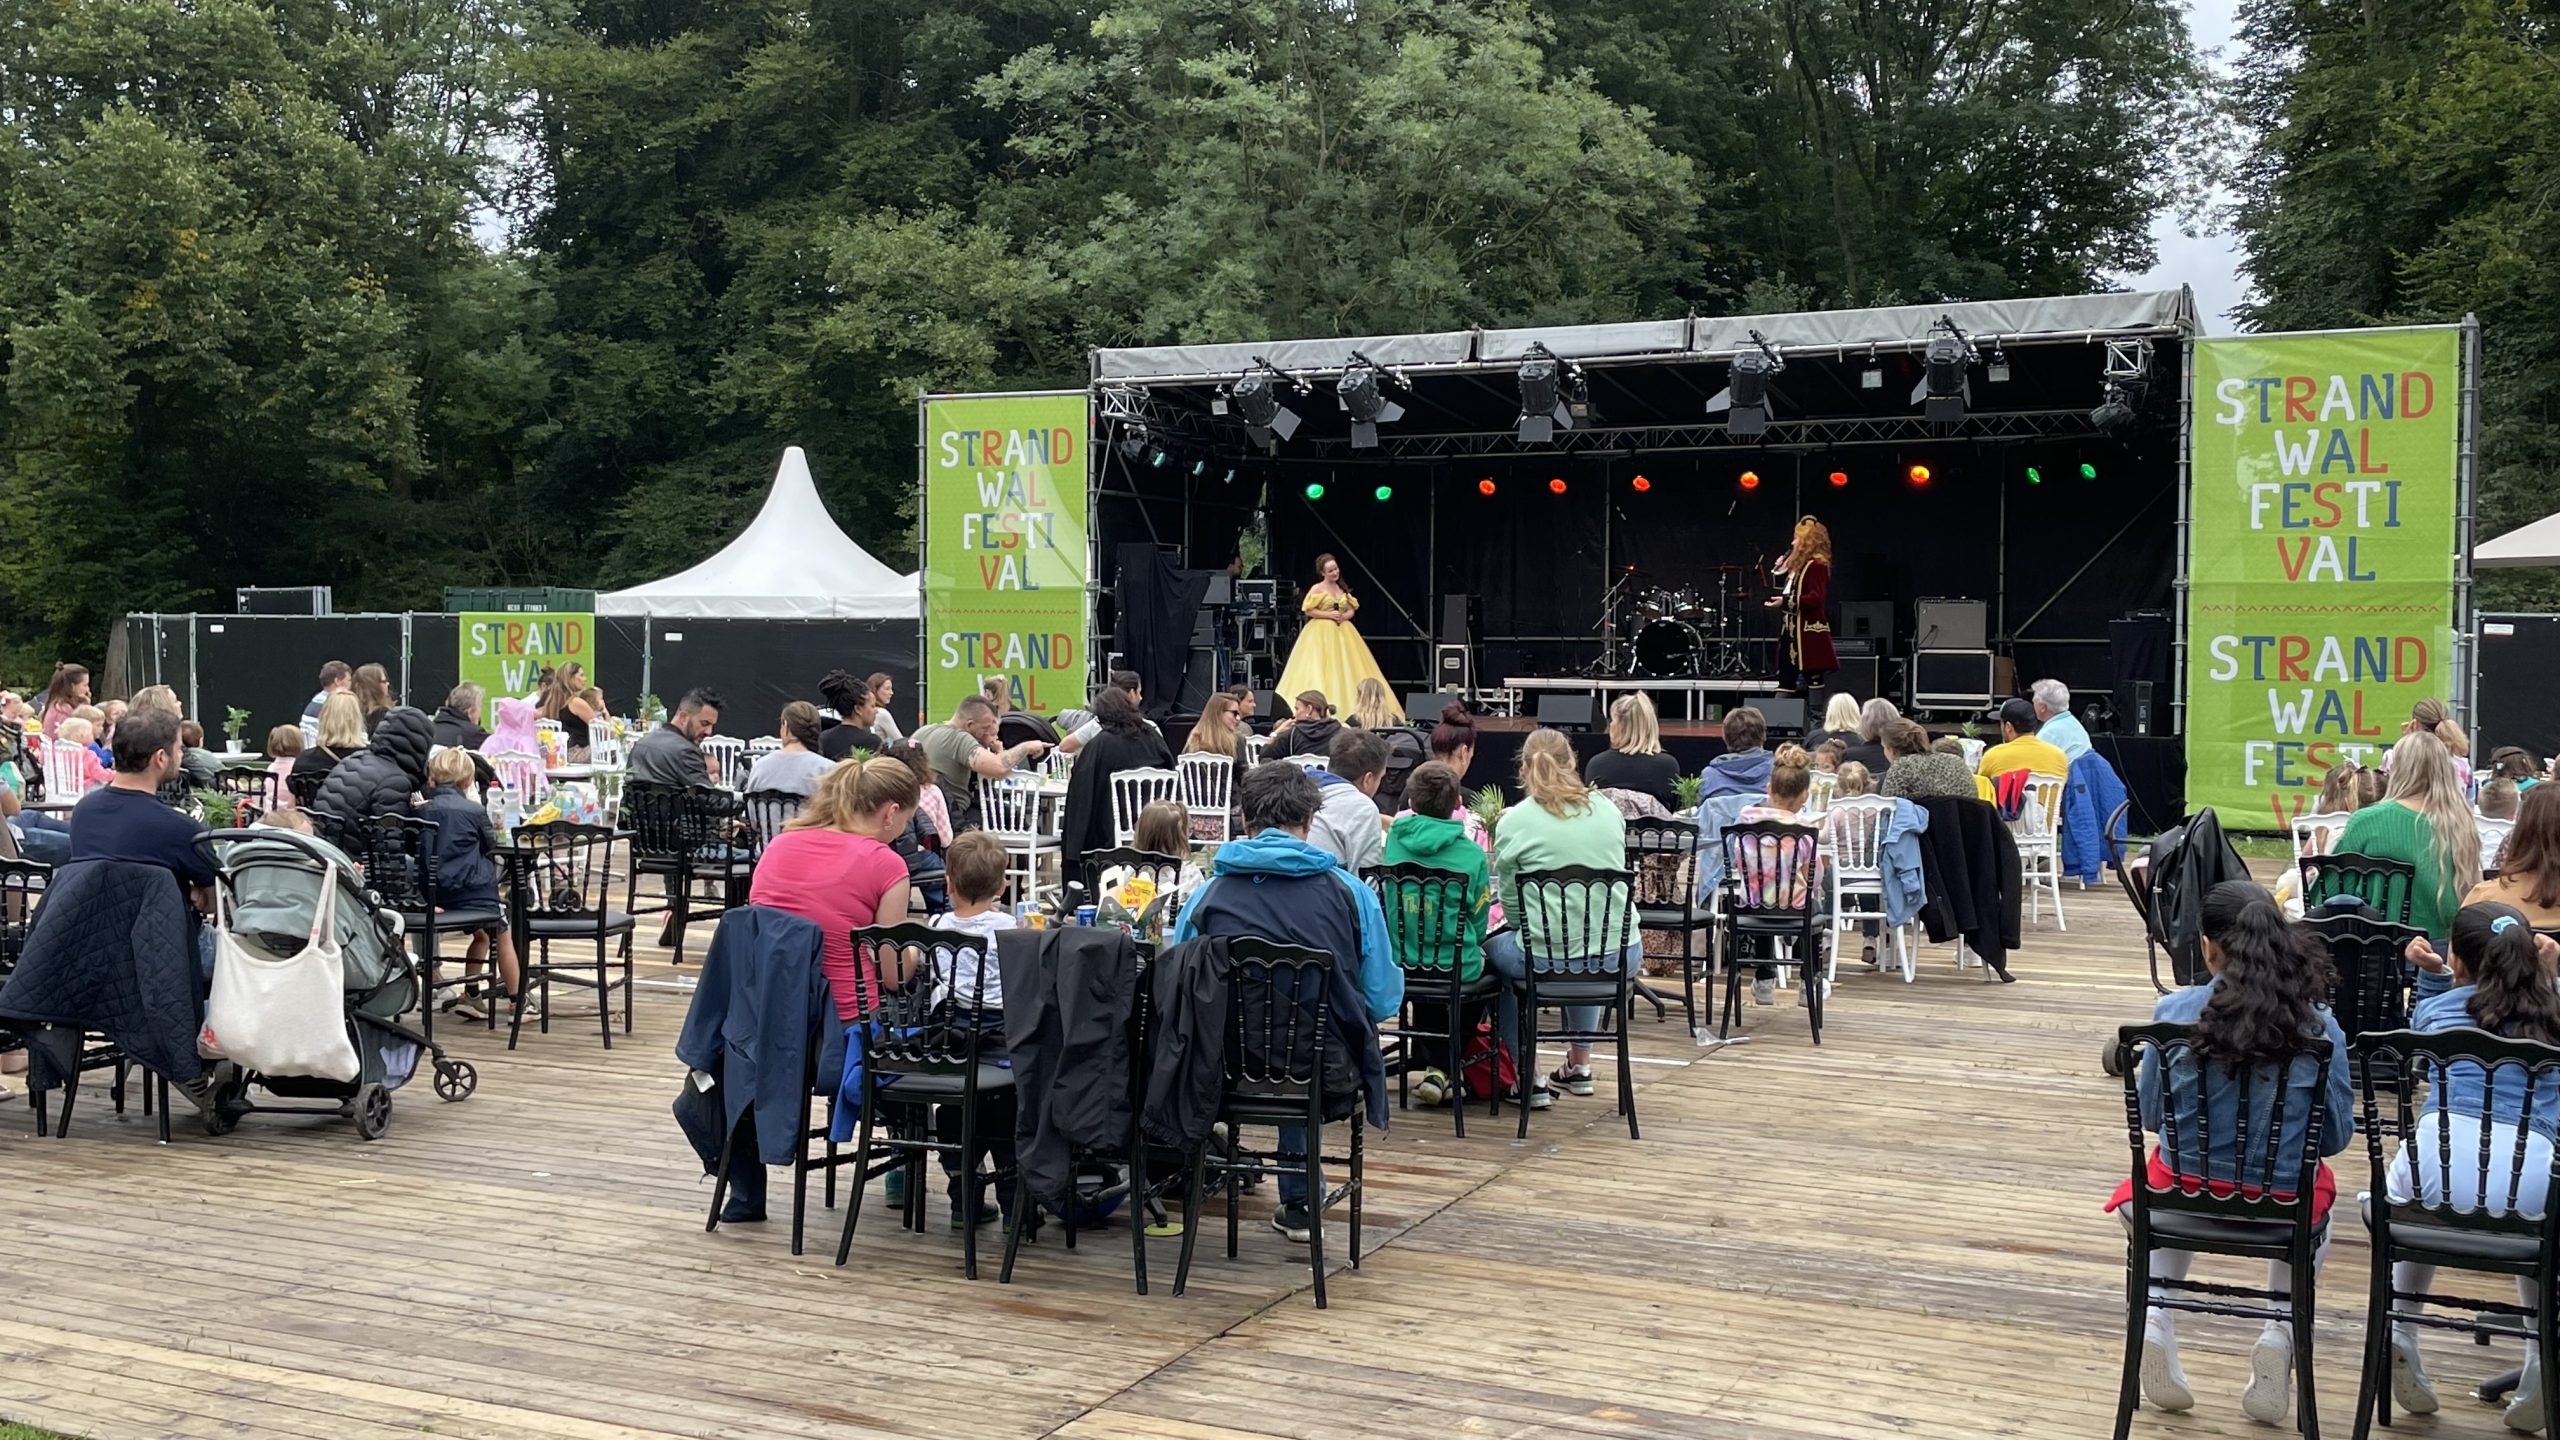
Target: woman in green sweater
x=2422, y=820
x=1558, y=825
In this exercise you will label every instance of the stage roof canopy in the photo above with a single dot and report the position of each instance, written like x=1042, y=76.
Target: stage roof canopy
x=2534, y=544
x=792, y=562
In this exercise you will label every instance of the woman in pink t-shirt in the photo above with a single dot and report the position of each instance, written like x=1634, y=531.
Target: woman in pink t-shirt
x=830, y=866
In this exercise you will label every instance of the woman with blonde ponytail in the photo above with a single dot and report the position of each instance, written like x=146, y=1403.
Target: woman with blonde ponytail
x=832, y=865
x=1559, y=825
x=2433, y=717
x=2423, y=820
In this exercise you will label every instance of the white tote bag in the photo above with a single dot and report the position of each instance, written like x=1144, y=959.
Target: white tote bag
x=280, y=1016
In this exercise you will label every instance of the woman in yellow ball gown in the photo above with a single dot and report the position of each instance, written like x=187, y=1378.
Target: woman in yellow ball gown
x=1330, y=656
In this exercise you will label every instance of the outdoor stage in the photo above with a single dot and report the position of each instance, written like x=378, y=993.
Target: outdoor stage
x=1896, y=1233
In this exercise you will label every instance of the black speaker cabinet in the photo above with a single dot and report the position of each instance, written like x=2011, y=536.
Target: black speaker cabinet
x=1200, y=680
x=1567, y=712
x=1860, y=677
x=1461, y=619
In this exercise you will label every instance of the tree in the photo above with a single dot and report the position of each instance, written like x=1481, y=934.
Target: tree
x=2404, y=168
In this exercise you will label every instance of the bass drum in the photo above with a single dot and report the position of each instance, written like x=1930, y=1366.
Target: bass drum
x=1667, y=650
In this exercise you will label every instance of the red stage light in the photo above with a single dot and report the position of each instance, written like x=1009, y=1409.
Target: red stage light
x=1840, y=479
x=1642, y=484
x=1556, y=485
x=1750, y=479
x=1484, y=487
x=1919, y=474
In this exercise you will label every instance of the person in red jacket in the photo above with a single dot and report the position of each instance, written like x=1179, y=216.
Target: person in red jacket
x=1804, y=575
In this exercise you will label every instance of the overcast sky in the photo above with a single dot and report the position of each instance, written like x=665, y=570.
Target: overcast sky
x=2210, y=264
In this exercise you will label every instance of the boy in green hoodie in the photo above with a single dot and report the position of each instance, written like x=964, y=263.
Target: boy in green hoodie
x=1433, y=834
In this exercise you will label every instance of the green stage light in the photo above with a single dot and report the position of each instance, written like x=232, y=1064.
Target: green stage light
x=2034, y=476
x=1315, y=489
x=2088, y=471
x=1385, y=492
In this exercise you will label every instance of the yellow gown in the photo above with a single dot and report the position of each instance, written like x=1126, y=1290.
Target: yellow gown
x=1331, y=657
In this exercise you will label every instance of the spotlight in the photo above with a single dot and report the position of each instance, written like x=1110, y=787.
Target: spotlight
x=1556, y=486
x=1945, y=388
x=1543, y=410
x=1315, y=489
x=1641, y=484
x=1231, y=477
x=1872, y=377
x=1383, y=492
x=1750, y=479
x=1484, y=487
x=1199, y=468
x=1362, y=395
x=2034, y=476
x=1998, y=367
x=1919, y=474
x=1158, y=459
x=1839, y=479
x=1256, y=397
x=2088, y=471
x=1745, y=396
x=2128, y=384
x=1133, y=442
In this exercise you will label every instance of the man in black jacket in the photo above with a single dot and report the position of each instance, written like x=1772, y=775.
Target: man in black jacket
x=458, y=727
x=381, y=778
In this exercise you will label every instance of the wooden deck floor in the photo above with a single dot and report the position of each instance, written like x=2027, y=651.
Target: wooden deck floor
x=1895, y=1233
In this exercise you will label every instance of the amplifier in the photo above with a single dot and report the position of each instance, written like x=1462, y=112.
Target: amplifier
x=1951, y=679
x=1262, y=593
x=1942, y=624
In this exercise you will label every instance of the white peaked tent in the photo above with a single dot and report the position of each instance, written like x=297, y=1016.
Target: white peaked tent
x=2534, y=544
x=791, y=563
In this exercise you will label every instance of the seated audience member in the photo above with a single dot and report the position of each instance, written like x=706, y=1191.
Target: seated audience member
x=563, y=699
x=2264, y=1001
x=1839, y=722
x=372, y=689
x=1374, y=710
x=126, y=821
x=927, y=839
x=1217, y=733
x=1743, y=768
x=1128, y=684
x=1790, y=790
x=1634, y=760
x=1827, y=756
x=796, y=767
x=457, y=720
x=933, y=815
x=71, y=730
x=2433, y=717
x=2055, y=724
x=381, y=778
x=997, y=693
x=39, y=837
x=284, y=747
x=977, y=878
x=1274, y=884
x=68, y=691
x=884, y=688
x=2501, y=985
x=832, y=865
x=464, y=854
x=110, y=713
x=1867, y=746
x=1557, y=824
x=672, y=753
x=2020, y=747
x=1164, y=828
x=963, y=751
x=341, y=733
x=1121, y=741
x=1247, y=709
x=1309, y=730
x=858, y=713
x=2528, y=878
x=2422, y=821
x=1347, y=823
x=1432, y=834
x=2511, y=762
x=336, y=678
x=2498, y=799
x=96, y=719
x=1852, y=780
x=1919, y=770
x=196, y=763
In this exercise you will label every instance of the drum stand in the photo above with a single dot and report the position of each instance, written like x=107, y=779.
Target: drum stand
x=1608, y=667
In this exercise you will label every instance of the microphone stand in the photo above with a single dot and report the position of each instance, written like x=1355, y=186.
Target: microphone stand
x=1607, y=666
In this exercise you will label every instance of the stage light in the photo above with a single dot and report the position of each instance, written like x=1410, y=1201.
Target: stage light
x=1641, y=484
x=1484, y=487
x=1542, y=403
x=1362, y=395
x=1839, y=479
x=1998, y=367
x=1872, y=377
x=1158, y=459
x=1383, y=492
x=1231, y=477
x=1315, y=489
x=1750, y=479
x=1133, y=442
x=2120, y=414
x=1945, y=388
x=2034, y=476
x=1556, y=486
x=1919, y=474
x=1744, y=400
x=1199, y=468
x=2088, y=471
x=1256, y=397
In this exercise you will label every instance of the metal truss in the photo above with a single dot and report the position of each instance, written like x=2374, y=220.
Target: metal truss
x=1808, y=434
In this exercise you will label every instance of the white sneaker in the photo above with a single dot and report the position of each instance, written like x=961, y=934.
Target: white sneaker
x=2524, y=1407
x=1764, y=992
x=2411, y=1390
x=2164, y=1381
x=2270, y=1389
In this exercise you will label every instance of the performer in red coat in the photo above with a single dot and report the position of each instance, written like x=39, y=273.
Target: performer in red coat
x=1804, y=575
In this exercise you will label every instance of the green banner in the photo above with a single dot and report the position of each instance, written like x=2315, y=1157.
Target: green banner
x=1004, y=549
x=505, y=653
x=2320, y=595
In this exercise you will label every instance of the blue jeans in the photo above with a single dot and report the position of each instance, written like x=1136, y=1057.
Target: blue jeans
x=1504, y=954
x=42, y=838
x=1293, y=1177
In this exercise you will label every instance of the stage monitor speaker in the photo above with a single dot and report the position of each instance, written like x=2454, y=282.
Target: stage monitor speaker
x=1785, y=714
x=1423, y=707
x=1866, y=621
x=1940, y=624
x=1449, y=668
x=1567, y=712
x=1951, y=679
x=1267, y=706
x=1200, y=680
x=2519, y=686
x=1860, y=677
x=1221, y=591
x=1461, y=619
x=2138, y=663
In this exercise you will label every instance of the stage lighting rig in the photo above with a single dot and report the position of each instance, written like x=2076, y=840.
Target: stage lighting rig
x=1362, y=394
x=2127, y=379
x=1745, y=399
x=1551, y=390
x=1946, y=384
x=1255, y=396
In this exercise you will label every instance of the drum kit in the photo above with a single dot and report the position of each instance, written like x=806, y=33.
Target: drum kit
x=1677, y=633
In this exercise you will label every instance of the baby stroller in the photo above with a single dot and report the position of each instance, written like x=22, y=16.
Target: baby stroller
x=273, y=884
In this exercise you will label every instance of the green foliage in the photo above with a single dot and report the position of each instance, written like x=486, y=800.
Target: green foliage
x=1687, y=788
x=2404, y=169
x=233, y=723
x=1488, y=806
